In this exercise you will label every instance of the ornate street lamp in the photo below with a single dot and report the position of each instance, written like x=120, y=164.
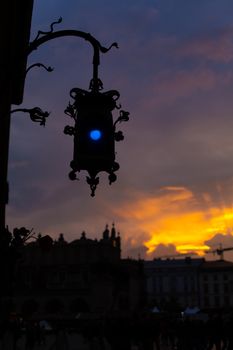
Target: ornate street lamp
x=94, y=130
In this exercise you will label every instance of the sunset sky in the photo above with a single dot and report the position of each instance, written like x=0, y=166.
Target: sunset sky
x=174, y=71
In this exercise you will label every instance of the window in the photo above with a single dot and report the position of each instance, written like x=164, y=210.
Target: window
x=123, y=302
x=206, y=288
x=226, y=300
x=226, y=288
x=216, y=301
x=161, y=284
x=154, y=285
x=185, y=284
x=216, y=288
x=206, y=301
x=173, y=284
x=205, y=277
x=192, y=283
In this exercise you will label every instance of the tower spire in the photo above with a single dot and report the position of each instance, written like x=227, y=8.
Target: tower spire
x=106, y=233
x=113, y=231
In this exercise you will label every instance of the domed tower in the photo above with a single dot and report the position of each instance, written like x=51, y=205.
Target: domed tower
x=118, y=241
x=110, y=245
x=113, y=232
x=106, y=233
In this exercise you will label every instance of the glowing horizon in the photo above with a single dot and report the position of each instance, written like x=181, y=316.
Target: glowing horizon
x=175, y=217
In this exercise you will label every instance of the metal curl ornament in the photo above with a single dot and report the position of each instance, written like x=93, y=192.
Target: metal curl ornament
x=92, y=181
x=36, y=114
x=49, y=69
x=69, y=130
x=40, y=32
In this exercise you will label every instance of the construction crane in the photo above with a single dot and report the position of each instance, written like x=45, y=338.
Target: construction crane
x=220, y=251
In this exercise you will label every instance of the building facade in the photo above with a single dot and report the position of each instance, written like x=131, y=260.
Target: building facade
x=172, y=281
x=83, y=276
x=216, y=284
x=189, y=283
x=89, y=276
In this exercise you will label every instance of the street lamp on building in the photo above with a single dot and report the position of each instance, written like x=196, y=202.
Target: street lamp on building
x=94, y=129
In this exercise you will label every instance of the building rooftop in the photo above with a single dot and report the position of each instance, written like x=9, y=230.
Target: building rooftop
x=170, y=263
x=217, y=264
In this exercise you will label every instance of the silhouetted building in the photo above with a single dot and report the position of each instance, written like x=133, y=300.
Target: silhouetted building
x=85, y=275
x=182, y=283
x=173, y=281
x=216, y=284
x=15, y=28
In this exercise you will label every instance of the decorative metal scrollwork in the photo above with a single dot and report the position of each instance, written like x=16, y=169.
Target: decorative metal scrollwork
x=104, y=49
x=92, y=181
x=73, y=175
x=119, y=136
x=49, y=69
x=77, y=92
x=96, y=83
x=36, y=114
x=70, y=111
x=124, y=117
x=40, y=32
x=95, y=102
x=69, y=130
x=109, y=99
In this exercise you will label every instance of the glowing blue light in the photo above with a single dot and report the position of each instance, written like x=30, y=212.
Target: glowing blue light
x=95, y=135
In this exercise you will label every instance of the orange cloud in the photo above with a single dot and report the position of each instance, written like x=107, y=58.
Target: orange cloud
x=176, y=217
